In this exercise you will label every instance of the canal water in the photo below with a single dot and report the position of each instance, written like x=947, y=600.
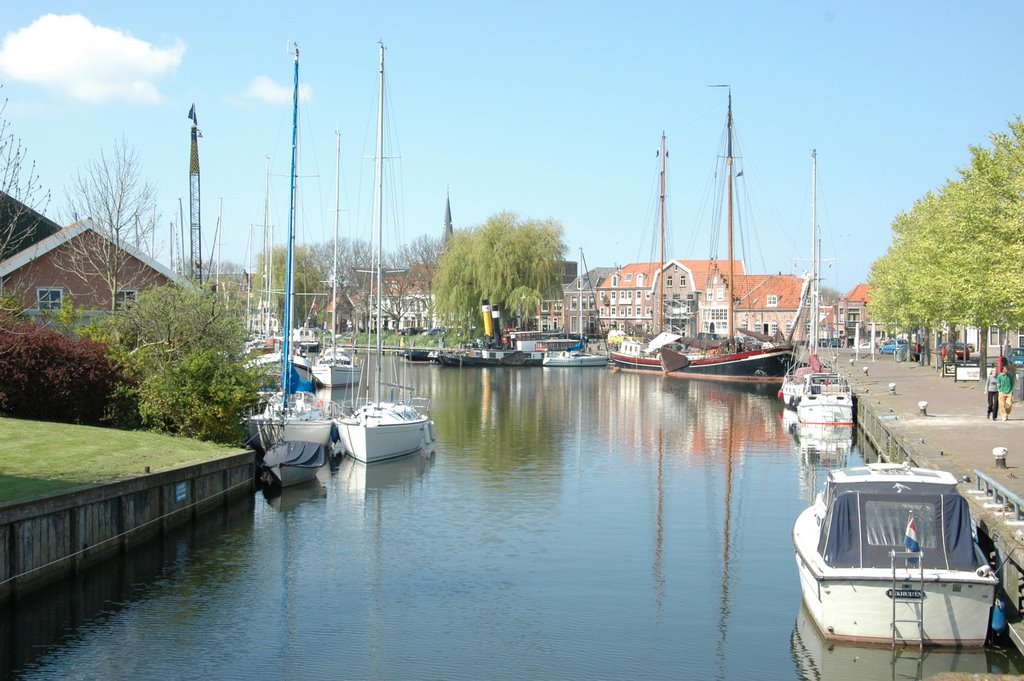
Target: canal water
x=569, y=524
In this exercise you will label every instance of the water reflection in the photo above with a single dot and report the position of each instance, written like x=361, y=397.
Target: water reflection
x=572, y=525
x=819, y=659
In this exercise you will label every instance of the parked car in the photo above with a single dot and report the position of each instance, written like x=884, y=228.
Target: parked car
x=958, y=350
x=411, y=331
x=1016, y=356
x=834, y=342
x=890, y=346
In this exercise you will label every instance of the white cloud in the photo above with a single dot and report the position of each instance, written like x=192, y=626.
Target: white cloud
x=91, y=63
x=265, y=89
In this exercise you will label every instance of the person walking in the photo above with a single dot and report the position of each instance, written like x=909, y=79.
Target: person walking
x=992, y=394
x=1004, y=384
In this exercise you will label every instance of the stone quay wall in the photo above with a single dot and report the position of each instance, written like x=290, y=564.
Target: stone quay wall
x=47, y=539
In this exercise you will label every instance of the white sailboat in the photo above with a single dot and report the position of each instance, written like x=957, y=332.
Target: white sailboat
x=577, y=356
x=292, y=414
x=334, y=366
x=379, y=429
x=824, y=397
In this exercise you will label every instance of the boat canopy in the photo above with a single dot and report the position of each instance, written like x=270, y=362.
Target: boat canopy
x=861, y=528
x=661, y=340
x=297, y=453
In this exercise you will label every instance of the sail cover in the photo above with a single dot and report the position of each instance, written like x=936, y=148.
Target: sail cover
x=861, y=529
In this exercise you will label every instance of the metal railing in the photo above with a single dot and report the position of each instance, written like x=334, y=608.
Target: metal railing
x=999, y=494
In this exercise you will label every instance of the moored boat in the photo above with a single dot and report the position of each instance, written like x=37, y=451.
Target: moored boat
x=887, y=554
x=380, y=429
x=741, y=355
x=292, y=462
x=294, y=413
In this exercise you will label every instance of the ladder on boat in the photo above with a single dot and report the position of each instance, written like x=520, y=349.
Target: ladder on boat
x=910, y=592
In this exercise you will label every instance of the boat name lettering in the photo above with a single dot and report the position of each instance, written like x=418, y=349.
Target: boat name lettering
x=911, y=594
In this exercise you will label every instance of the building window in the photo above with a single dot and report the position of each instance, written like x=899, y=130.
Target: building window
x=668, y=282
x=126, y=298
x=649, y=312
x=682, y=281
x=772, y=300
x=572, y=302
x=50, y=298
x=637, y=313
x=720, y=294
x=629, y=276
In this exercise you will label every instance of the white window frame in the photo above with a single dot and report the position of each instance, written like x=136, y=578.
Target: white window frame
x=46, y=300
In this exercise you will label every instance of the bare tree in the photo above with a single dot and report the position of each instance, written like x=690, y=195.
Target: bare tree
x=121, y=205
x=20, y=211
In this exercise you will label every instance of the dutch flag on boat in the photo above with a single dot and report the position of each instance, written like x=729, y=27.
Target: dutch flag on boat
x=910, y=539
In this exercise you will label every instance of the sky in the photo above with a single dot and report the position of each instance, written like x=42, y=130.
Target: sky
x=547, y=109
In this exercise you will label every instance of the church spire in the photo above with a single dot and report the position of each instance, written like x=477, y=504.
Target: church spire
x=447, y=218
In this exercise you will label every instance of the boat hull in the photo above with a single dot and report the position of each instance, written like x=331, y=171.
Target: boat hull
x=826, y=410
x=379, y=432
x=766, y=365
x=491, y=358
x=858, y=605
x=575, y=360
x=293, y=463
x=635, y=362
x=335, y=375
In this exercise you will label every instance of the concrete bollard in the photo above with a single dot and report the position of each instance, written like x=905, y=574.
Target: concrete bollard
x=1000, y=454
x=892, y=388
x=922, y=408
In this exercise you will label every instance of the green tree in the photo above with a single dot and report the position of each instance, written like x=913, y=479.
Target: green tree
x=512, y=263
x=187, y=353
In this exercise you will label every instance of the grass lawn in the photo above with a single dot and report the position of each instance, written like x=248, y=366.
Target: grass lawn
x=39, y=458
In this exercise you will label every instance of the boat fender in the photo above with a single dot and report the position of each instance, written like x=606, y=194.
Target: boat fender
x=998, y=617
x=780, y=393
x=433, y=429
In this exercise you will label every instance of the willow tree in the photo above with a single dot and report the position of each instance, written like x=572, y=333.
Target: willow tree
x=513, y=263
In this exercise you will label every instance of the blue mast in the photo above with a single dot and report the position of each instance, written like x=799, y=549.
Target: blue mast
x=286, y=359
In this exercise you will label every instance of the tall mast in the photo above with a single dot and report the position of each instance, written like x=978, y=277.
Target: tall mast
x=728, y=174
x=286, y=377
x=268, y=255
x=815, y=291
x=661, y=224
x=334, y=261
x=378, y=207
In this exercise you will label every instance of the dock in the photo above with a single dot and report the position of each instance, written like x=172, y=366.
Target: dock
x=925, y=416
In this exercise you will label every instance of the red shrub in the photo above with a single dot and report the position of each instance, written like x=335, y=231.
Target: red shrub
x=44, y=375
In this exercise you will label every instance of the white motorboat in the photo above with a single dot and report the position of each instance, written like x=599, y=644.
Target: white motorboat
x=825, y=400
x=863, y=581
x=335, y=368
x=380, y=429
x=575, y=358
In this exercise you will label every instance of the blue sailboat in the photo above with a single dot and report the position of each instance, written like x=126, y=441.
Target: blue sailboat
x=294, y=413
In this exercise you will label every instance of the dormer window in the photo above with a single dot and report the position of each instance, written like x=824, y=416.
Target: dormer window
x=629, y=276
x=772, y=300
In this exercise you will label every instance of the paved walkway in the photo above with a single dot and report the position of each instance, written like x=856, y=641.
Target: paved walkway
x=955, y=425
x=953, y=434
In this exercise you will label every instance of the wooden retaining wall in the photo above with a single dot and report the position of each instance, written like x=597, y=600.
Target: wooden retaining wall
x=882, y=432
x=47, y=539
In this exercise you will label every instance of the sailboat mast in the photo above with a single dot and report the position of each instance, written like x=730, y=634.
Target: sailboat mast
x=661, y=224
x=815, y=273
x=378, y=207
x=334, y=260
x=286, y=378
x=268, y=256
x=728, y=174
